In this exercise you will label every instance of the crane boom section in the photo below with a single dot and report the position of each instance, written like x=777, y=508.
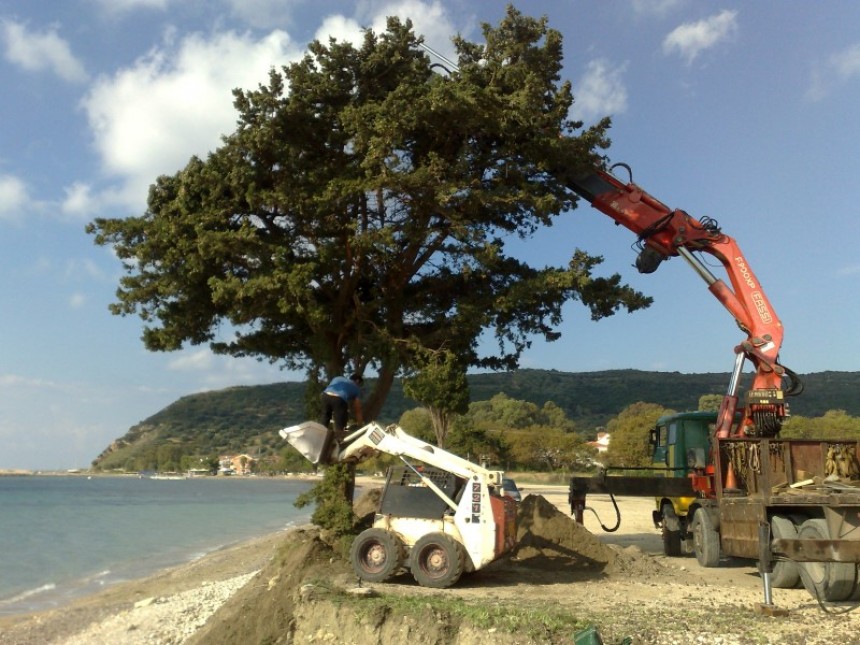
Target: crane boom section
x=662, y=233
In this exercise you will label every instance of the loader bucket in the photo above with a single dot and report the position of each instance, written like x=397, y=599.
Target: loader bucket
x=313, y=440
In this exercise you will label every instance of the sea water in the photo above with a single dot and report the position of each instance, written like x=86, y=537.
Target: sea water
x=63, y=537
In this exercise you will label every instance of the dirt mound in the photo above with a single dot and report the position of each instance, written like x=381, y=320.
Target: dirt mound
x=545, y=533
x=288, y=601
x=263, y=611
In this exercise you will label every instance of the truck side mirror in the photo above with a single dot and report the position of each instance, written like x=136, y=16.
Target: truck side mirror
x=652, y=438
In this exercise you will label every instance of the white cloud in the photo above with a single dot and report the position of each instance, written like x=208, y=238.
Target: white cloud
x=839, y=68
x=13, y=196
x=77, y=300
x=36, y=52
x=847, y=63
x=852, y=269
x=83, y=269
x=600, y=92
x=200, y=360
x=79, y=200
x=690, y=39
x=429, y=19
x=16, y=381
x=149, y=119
x=340, y=28
x=215, y=371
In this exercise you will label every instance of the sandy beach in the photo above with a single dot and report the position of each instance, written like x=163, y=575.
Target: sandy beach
x=164, y=608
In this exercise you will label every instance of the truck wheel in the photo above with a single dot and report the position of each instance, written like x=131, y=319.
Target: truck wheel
x=785, y=572
x=671, y=532
x=376, y=555
x=828, y=581
x=437, y=561
x=706, y=540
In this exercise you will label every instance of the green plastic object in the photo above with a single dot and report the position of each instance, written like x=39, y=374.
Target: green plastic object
x=588, y=636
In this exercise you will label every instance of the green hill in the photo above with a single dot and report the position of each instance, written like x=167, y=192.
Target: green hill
x=246, y=419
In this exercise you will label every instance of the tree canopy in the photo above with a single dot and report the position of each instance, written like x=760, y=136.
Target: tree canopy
x=629, y=431
x=360, y=211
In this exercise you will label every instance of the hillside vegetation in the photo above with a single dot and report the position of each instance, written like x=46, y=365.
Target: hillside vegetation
x=246, y=419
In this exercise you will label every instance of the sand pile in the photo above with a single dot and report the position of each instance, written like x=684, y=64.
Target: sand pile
x=263, y=611
x=547, y=534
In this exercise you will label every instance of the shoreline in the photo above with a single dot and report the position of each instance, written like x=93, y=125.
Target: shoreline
x=51, y=597
x=68, y=547
x=168, y=605
x=168, y=597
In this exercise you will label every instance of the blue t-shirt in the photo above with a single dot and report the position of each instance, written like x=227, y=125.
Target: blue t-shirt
x=344, y=388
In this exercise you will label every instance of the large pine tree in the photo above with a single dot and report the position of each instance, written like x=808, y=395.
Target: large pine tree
x=359, y=213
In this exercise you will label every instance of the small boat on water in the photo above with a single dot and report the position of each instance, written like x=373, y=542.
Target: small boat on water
x=168, y=476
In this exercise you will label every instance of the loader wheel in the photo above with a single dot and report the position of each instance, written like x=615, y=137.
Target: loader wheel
x=376, y=555
x=437, y=561
x=785, y=572
x=671, y=532
x=706, y=540
x=828, y=581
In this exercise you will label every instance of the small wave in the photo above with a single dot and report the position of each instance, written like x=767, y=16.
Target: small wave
x=99, y=578
x=28, y=594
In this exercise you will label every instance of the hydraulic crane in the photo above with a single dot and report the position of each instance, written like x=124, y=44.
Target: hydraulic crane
x=663, y=232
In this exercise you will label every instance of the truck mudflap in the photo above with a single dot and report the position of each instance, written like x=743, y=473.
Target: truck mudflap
x=807, y=550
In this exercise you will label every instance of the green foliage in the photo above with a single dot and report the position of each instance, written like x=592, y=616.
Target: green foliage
x=361, y=209
x=542, y=448
x=534, y=622
x=291, y=461
x=834, y=424
x=628, y=447
x=246, y=419
x=440, y=384
x=333, y=499
x=472, y=442
x=503, y=411
x=418, y=423
x=710, y=402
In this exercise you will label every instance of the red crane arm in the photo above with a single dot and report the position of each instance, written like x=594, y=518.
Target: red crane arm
x=664, y=232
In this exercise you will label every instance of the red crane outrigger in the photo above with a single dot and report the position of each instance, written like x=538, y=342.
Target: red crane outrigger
x=664, y=232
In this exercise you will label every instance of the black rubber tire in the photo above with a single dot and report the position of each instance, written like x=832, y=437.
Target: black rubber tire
x=671, y=537
x=437, y=561
x=706, y=540
x=786, y=574
x=827, y=581
x=377, y=555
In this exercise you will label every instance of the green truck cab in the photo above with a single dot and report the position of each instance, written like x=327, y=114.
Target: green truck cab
x=680, y=445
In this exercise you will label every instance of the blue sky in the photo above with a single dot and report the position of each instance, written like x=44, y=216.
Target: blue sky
x=744, y=112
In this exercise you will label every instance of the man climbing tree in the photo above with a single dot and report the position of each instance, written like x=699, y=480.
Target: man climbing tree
x=359, y=213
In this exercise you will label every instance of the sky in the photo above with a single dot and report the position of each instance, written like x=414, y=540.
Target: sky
x=744, y=112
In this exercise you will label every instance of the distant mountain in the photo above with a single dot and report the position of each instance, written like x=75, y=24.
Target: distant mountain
x=240, y=419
